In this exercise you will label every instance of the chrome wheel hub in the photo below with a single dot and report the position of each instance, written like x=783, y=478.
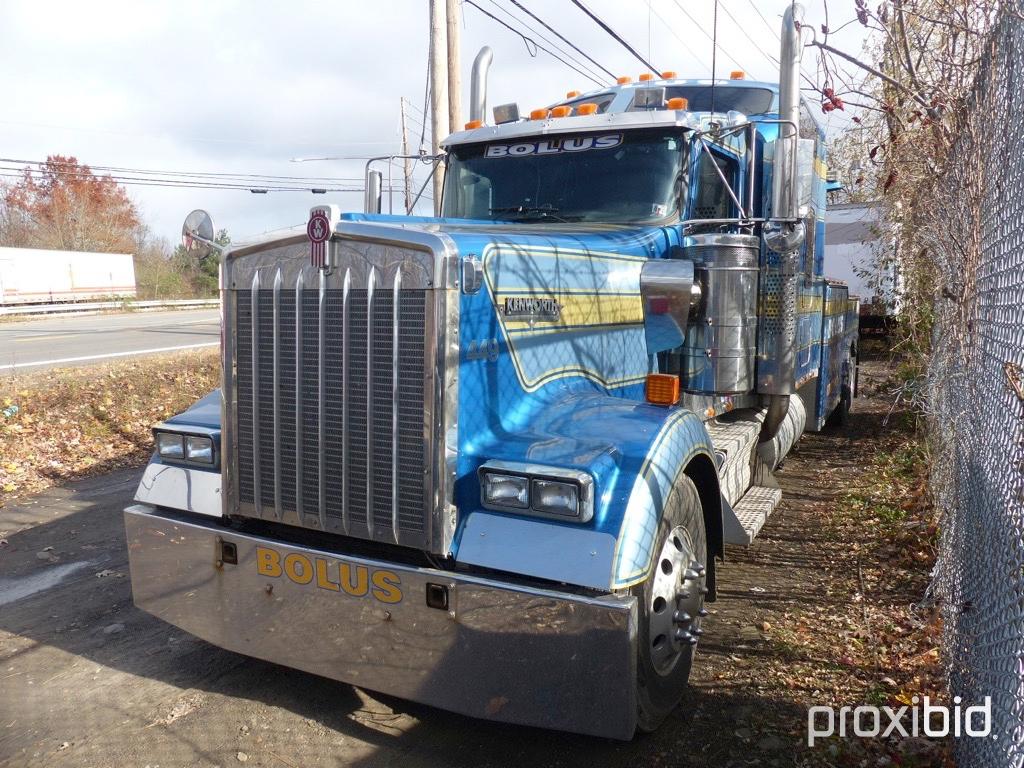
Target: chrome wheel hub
x=677, y=595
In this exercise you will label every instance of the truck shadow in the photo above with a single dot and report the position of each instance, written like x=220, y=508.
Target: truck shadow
x=88, y=614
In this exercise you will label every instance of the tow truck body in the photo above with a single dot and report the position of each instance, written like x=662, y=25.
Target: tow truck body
x=444, y=449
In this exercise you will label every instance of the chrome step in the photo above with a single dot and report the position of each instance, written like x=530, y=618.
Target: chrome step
x=744, y=521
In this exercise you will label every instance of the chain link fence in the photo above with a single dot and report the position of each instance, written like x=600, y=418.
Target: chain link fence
x=976, y=397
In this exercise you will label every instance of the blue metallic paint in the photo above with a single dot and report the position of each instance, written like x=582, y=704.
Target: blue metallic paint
x=572, y=395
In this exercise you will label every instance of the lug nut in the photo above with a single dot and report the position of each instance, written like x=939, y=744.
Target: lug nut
x=689, y=573
x=682, y=595
x=685, y=637
x=702, y=612
x=681, y=617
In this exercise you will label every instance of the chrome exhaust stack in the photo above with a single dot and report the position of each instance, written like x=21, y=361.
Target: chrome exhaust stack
x=478, y=84
x=785, y=233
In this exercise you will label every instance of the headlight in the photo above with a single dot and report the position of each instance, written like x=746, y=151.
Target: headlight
x=199, y=449
x=170, y=445
x=506, y=491
x=180, y=447
x=556, y=498
x=538, y=490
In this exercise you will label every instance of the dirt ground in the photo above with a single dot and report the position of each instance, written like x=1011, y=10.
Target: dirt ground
x=88, y=680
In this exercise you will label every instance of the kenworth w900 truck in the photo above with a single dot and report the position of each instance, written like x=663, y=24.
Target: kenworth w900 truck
x=488, y=461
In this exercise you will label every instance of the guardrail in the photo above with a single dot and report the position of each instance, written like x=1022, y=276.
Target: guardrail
x=104, y=306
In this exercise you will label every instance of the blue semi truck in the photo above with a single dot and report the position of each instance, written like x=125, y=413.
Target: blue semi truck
x=488, y=461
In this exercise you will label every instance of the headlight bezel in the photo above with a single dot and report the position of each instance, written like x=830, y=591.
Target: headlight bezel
x=581, y=482
x=199, y=447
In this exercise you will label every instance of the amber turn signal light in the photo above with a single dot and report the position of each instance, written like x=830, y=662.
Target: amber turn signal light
x=646, y=77
x=589, y=108
x=662, y=389
x=474, y=124
x=669, y=74
x=678, y=103
x=539, y=114
x=562, y=111
x=737, y=74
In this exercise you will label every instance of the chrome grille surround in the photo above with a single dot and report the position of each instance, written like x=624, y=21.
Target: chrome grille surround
x=302, y=319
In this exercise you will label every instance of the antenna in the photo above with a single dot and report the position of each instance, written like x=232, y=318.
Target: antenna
x=714, y=58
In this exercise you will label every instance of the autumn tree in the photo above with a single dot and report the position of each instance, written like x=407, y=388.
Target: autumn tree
x=62, y=204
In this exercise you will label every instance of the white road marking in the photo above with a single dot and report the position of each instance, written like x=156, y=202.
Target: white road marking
x=114, y=354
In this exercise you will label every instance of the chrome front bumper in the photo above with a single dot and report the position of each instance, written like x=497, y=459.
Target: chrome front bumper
x=498, y=651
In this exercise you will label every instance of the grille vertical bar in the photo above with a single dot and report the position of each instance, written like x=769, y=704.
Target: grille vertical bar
x=396, y=308
x=321, y=454
x=370, y=285
x=255, y=352
x=300, y=414
x=346, y=319
x=276, y=396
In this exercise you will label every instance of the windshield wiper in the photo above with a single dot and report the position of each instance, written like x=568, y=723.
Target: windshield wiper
x=530, y=211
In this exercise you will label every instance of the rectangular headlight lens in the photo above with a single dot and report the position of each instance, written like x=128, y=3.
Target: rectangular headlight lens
x=556, y=498
x=199, y=449
x=170, y=445
x=506, y=490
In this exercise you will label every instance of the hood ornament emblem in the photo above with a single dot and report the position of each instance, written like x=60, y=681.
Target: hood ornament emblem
x=319, y=229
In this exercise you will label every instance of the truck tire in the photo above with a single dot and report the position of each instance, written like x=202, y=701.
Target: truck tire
x=671, y=602
x=840, y=417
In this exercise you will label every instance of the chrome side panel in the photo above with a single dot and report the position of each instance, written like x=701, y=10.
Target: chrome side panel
x=502, y=652
x=193, y=490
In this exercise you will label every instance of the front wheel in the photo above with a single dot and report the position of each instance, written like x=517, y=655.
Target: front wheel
x=671, y=604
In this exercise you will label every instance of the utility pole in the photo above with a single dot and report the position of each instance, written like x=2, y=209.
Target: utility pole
x=438, y=91
x=454, y=15
x=406, y=162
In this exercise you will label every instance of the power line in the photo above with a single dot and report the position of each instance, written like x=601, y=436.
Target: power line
x=81, y=174
x=614, y=34
x=714, y=42
x=530, y=41
x=686, y=43
x=184, y=174
x=773, y=60
x=771, y=29
x=548, y=27
x=7, y=174
x=556, y=46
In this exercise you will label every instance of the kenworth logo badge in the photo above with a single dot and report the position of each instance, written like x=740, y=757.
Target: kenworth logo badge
x=554, y=146
x=319, y=231
x=531, y=308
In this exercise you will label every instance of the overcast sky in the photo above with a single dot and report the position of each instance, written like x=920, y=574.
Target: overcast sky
x=244, y=87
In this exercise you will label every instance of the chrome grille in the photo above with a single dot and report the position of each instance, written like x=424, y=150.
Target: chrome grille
x=331, y=405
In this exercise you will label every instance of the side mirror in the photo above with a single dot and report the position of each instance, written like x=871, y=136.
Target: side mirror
x=198, y=233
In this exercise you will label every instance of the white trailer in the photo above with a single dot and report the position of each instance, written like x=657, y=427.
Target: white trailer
x=855, y=237
x=37, y=276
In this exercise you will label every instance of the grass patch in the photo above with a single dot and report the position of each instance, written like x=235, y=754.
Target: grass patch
x=67, y=423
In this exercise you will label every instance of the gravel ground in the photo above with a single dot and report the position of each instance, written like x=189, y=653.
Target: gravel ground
x=88, y=680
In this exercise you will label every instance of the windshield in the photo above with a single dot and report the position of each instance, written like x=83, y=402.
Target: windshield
x=749, y=101
x=601, y=177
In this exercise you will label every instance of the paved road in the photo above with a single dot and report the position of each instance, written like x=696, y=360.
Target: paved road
x=79, y=340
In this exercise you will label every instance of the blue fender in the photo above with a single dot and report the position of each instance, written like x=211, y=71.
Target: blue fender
x=634, y=451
